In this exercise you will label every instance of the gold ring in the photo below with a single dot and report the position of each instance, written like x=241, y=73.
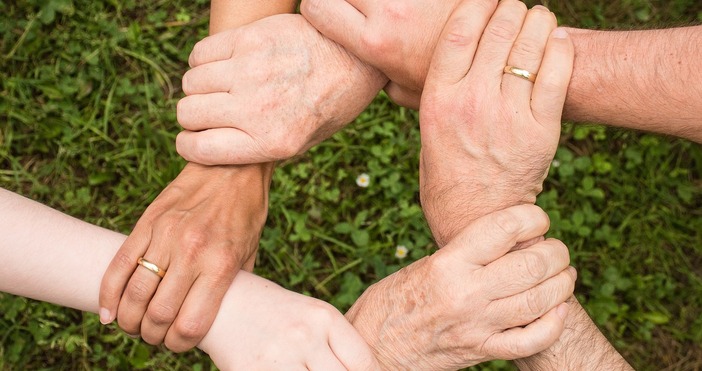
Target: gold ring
x=526, y=75
x=151, y=266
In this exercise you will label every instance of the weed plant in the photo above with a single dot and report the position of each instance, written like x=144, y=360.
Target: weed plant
x=87, y=124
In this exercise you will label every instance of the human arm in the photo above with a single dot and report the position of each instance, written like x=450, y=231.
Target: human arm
x=506, y=154
x=473, y=164
x=53, y=257
x=581, y=346
x=201, y=229
x=632, y=79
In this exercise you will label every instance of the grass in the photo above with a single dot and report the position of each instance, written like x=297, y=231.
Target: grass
x=87, y=123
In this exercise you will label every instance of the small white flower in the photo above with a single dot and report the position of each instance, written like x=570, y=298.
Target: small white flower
x=555, y=163
x=363, y=180
x=401, y=251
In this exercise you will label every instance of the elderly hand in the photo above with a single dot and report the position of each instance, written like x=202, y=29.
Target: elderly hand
x=267, y=91
x=396, y=36
x=201, y=230
x=488, y=137
x=469, y=302
x=262, y=326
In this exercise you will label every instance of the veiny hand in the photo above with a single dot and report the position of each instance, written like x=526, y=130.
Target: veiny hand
x=488, y=137
x=201, y=229
x=262, y=326
x=267, y=91
x=396, y=36
x=469, y=301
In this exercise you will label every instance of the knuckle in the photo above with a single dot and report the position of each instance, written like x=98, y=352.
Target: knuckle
x=456, y=34
x=534, y=264
x=196, y=55
x=123, y=261
x=300, y=333
x=310, y=7
x=138, y=291
x=161, y=314
x=194, y=238
x=560, y=248
x=190, y=329
x=183, y=112
x=396, y=11
x=375, y=43
x=529, y=49
x=282, y=148
x=501, y=30
x=534, y=303
x=507, y=222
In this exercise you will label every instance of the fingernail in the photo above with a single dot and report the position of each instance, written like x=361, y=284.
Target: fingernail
x=559, y=33
x=105, y=316
x=562, y=310
x=540, y=7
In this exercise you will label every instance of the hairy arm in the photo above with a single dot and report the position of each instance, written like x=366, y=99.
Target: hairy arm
x=580, y=347
x=642, y=80
x=645, y=80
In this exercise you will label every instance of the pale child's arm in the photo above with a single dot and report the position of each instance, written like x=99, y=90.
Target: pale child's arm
x=50, y=256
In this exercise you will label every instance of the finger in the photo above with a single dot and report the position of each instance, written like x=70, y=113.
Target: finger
x=208, y=111
x=402, y=96
x=493, y=235
x=350, y=348
x=218, y=47
x=224, y=146
x=527, y=52
x=521, y=342
x=521, y=270
x=324, y=359
x=338, y=20
x=120, y=270
x=551, y=85
x=525, y=307
x=140, y=289
x=197, y=313
x=498, y=38
x=458, y=42
x=213, y=77
x=250, y=263
x=165, y=305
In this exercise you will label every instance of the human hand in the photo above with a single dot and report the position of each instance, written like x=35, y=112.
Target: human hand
x=467, y=303
x=488, y=137
x=268, y=91
x=274, y=328
x=201, y=229
x=396, y=36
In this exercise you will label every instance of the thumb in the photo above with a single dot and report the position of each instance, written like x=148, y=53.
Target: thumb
x=488, y=238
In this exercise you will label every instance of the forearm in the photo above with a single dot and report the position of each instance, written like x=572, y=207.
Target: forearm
x=644, y=80
x=225, y=14
x=52, y=257
x=580, y=347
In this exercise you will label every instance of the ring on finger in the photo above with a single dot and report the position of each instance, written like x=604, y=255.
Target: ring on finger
x=152, y=267
x=519, y=72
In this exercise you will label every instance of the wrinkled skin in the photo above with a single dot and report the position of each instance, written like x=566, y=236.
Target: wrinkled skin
x=269, y=91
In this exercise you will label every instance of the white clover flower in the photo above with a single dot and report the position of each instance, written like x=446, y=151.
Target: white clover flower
x=401, y=251
x=555, y=163
x=363, y=180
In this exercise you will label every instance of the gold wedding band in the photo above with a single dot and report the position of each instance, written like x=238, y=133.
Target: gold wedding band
x=151, y=266
x=526, y=75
